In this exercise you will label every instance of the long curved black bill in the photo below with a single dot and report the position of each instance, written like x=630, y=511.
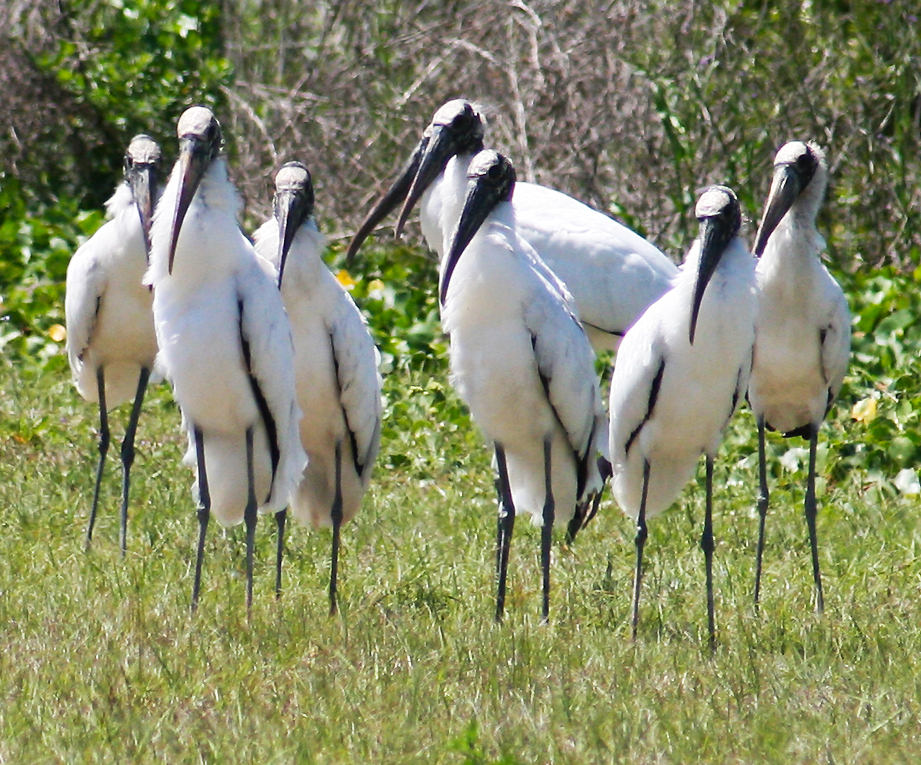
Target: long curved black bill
x=481, y=200
x=785, y=188
x=193, y=161
x=143, y=180
x=290, y=208
x=713, y=240
x=387, y=203
x=441, y=146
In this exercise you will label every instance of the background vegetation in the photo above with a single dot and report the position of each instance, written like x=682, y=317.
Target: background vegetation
x=630, y=106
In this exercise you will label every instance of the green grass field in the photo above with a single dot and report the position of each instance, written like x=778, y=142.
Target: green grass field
x=102, y=661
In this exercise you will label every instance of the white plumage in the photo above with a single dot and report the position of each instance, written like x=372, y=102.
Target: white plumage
x=676, y=384
x=225, y=341
x=111, y=343
x=612, y=273
x=338, y=384
x=521, y=361
x=803, y=331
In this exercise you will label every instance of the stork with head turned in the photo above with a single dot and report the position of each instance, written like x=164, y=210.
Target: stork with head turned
x=803, y=331
x=521, y=361
x=612, y=273
x=111, y=343
x=338, y=384
x=225, y=343
x=680, y=374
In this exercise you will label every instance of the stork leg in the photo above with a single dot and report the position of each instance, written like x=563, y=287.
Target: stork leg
x=546, y=532
x=204, y=511
x=281, y=518
x=763, y=499
x=707, y=545
x=128, y=453
x=336, y=517
x=810, y=507
x=505, y=527
x=103, y=449
x=639, y=541
x=249, y=518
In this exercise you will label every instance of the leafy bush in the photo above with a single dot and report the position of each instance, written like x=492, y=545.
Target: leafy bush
x=35, y=249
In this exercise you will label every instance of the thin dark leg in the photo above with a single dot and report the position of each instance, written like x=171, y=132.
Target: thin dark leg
x=204, y=511
x=499, y=520
x=249, y=518
x=506, y=526
x=810, y=522
x=128, y=452
x=706, y=544
x=763, y=499
x=640, y=541
x=281, y=518
x=335, y=515
x=103, y=450
x=546, y=532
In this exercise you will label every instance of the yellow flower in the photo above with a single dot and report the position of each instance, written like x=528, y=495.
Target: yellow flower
x=345, y=278
x=57, y=333
x=865, y=410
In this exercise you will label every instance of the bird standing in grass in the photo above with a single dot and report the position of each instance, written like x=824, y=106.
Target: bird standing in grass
x=680, y=373
x=225, y=343
x=522, y=362
x=338, y=384
x=612, y=272
x=111, y=342
x=803, y=331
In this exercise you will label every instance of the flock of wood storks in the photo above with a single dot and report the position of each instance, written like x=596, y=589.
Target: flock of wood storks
x=276, y=373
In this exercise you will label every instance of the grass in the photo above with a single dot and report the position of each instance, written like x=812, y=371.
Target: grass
x=101, y=660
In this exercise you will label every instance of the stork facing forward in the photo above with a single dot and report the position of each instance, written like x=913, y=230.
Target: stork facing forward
x=803, y=334
x=338, y=384
x=111, y=342
x=523, y=364
x=680, y=374
x=225, y=343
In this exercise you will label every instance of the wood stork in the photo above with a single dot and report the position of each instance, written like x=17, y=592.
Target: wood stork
x=679, y=376
x=338, y=384
x=803, y=338
x=522, y=362
x=225, y=343
x=612, y=272
x=111, y=343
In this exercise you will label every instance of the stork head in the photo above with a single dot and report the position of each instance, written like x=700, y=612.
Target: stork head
x=142, y=174
x=199, y=144
x=720, y=219
x=490, y=181
x=800, y=172
x=457, y=126
x=293, y=207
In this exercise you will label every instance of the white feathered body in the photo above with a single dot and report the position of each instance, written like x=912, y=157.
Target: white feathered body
x=217, y=302
x=336, y=369
x=108, y=310
x=612, y=273
x=512, y=331
x=699, y=385
x=803, y=331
